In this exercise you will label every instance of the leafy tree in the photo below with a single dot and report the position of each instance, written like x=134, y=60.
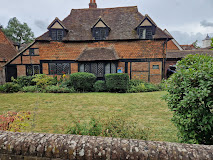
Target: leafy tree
x=212, y=42
x=18, y=32
x=190, y=98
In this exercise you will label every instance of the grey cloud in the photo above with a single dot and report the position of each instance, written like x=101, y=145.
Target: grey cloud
x=41, y=24
x=205, y=23
x=186, y=38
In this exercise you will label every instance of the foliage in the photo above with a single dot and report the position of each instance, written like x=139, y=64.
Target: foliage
x=24, y=81
x=14, y=121
x=117, y=82
x=191, y=99
x=42, y=80
x=30, y=89
x=10, y=88
x=100, y=86
x=115, y=126
x=136, y=86
x=18, y=32
x=82, y=81
x=212, y=42
x=58, y=89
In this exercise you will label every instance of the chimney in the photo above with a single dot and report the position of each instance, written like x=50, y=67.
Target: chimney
x=92, y=4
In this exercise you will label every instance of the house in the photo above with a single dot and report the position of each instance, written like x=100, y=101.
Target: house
x=7, y=51
x=99, y=41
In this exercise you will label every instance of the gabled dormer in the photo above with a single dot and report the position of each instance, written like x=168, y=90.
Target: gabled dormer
x=100, y=30
x=146, y=29
x=57, y=30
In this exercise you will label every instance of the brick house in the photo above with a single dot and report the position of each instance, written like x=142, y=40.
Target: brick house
x=7, y=51
x=99, y=41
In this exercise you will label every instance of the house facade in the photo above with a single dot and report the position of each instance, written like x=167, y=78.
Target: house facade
x=7, y=51
x=99, y=41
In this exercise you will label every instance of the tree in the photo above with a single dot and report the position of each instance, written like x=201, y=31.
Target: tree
x=195, y=44
x=18, y=32
x=212, y=42
x=190, y=98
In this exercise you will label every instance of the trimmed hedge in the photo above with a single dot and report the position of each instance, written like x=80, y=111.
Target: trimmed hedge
x=82, y=81
x=100, y=86
x=117, y=82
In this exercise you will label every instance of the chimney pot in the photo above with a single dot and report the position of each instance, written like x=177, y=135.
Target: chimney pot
x=92, y=4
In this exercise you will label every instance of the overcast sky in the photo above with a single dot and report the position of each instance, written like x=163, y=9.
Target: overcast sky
x=186, y=20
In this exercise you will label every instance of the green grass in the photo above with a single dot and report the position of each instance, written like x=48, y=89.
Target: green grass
x=54, y=111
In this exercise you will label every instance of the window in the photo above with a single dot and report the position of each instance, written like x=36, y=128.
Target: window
x=155, y=67
x=98, y=68
x=57, y=34
x=33, y=69
x=100, y=33
x=31, y=51
x=145, y=33
x=59, y=68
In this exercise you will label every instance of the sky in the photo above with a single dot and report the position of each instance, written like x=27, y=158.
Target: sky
x=186, y=20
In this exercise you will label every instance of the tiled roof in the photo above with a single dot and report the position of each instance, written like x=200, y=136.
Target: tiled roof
x=122, y=22
x=182, y=54
x=7, y=50
x=94, y=54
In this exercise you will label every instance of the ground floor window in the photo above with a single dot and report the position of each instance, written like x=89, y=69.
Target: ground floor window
x=33, y=69
x=59, y=68
x=98, y=68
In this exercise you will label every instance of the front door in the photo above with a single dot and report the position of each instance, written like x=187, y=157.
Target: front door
x=11, y=71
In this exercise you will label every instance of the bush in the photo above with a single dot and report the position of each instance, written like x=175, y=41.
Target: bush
x=117, y=82
x=58, y=89
x=10, y=88
x=115, y=126
x=30, y=89
x=42, y=80
x=1, y=88
x=190, y=98
x=24, y=81
x=81, y=81
x=100, y=86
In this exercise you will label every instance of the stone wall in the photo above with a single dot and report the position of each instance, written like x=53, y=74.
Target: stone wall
x=35, y=146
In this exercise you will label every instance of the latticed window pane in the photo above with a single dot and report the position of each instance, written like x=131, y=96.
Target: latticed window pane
x=54, y=34
x=66, y=68
x=52, y=68
x=103, y=34
x=107, y=68
x=113, y=68
x=94, y=68
x=59, y=35
x=87, y=67
x=149, y=33
x=82, y=67
x=97, y=35
x=59, y=68
x=100, y=69
x=29, y=70
x=36, y=69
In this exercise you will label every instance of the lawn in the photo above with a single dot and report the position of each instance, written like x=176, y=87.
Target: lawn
x=54, y=111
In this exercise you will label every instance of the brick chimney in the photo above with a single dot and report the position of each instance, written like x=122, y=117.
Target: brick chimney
x=92, y=4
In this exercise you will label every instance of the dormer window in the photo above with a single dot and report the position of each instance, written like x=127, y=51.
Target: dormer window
x=57, y=34
x=146, y=29
x=57, y=30
x=100, y=30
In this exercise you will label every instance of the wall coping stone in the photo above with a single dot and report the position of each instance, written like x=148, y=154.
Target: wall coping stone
x=60, y=146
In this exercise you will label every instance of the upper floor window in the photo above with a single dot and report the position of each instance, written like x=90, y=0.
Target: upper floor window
x=57, y=35
x=145, y=33
x=100, y=30
x=33, y=51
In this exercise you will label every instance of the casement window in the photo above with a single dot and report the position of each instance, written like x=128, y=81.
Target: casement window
x=59, y=68
x=57, y=35
x=32, y=70
x=100, y=33
x=98, y=68
x=33, y=51
x=145, y=33
x=155, y=67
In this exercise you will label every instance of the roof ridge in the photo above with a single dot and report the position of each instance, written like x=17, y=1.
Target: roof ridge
x=105, y=8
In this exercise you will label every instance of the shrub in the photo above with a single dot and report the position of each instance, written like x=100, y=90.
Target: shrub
x=81, y=81
x=42, y=80
x=117, y=82
x=14, y=121
x=190, y=98
x=1, y=88
x=24, y=81
x=10, y=87
x=30, y=89
x=100, y=86
x=58, y=89
x=115, y=126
